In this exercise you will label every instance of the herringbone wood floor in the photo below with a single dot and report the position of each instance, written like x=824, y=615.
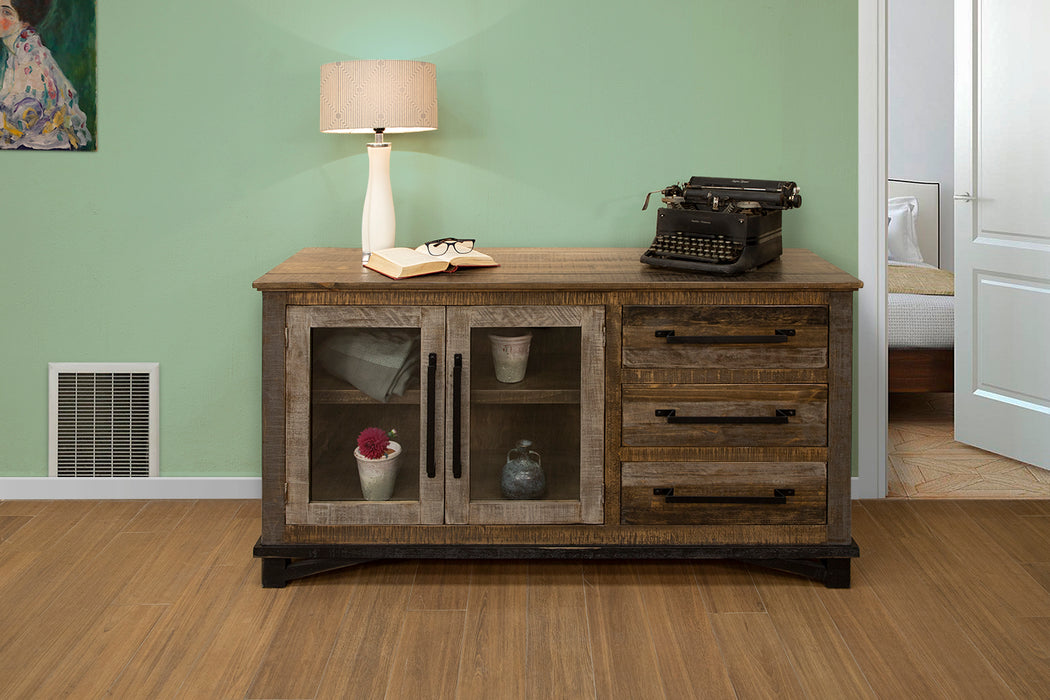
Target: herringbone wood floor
x=162, y=599
x=925, y=461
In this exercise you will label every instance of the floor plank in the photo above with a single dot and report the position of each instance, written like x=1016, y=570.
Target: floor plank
x=820, y=656
x=59, y=567
x=75, y=609
x=9, y=524
x=86, y=668
x=495, y=647
x=49, y=526
x=559, y=646
x=1023, y=538
x=177, y=562
x=229, y=660
x=625, y=662
x=727, y=587
x=441, y=585
x=362, y=657
x=758, y=664
x=890, y=663
x=302, y=644
x=426, y=663
x=689, y=660
x=171, y=650
x=917, y=603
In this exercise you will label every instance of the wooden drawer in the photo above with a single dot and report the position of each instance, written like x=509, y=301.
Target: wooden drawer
x=699, y=493
x=729, y=337
x=725, y=415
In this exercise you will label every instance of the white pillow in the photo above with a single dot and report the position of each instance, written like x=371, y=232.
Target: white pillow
x=901, y=239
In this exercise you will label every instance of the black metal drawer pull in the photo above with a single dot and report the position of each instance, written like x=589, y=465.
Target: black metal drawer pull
x=780, y=418
x=780, y=335
x=457, y=380
x=431, y=390
x=779, y=497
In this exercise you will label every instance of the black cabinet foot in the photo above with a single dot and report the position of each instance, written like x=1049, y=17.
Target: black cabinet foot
x=277, y=572
x=836, y=574
x=833, y=573
x=273, y=572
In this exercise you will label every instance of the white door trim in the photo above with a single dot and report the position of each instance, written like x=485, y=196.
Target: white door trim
x=871, y=355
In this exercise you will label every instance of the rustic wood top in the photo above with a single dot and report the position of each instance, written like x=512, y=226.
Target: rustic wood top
x=583, y=269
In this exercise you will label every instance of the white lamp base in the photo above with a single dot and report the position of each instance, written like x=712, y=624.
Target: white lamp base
x=377, y=218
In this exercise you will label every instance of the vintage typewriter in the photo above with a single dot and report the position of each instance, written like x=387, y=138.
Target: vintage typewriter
x=720, y=225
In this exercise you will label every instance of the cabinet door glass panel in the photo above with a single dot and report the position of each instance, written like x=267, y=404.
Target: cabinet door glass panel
x=362, y=378
x=526, y=415
x=531, y=396
x=352, y=368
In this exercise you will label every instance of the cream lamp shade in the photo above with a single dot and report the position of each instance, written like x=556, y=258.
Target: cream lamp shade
x=358, y=97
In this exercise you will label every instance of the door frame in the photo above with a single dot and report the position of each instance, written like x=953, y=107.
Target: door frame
x=871, y=356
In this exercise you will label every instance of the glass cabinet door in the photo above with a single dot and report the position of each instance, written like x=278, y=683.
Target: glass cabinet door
x=525, y=415
x=348, y=369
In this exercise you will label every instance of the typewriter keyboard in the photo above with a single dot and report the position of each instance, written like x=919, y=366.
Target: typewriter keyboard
x=714, y=249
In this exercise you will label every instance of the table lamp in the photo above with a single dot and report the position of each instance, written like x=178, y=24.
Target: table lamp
x=380, y=96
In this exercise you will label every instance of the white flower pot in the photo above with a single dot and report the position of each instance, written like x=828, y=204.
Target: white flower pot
x=510, y=355
x=378, y=475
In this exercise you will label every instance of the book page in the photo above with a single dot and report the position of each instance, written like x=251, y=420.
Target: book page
x=405, y=257
x=474, y=258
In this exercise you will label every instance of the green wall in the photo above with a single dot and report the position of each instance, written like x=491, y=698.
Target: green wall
x=555, y=119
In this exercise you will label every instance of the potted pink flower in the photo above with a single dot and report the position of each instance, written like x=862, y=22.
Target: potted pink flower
x=377, y=457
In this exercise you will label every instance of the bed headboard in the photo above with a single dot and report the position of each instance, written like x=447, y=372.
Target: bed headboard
x=928, y=222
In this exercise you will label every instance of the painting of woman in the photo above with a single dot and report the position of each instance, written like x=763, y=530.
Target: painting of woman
x=39, y=107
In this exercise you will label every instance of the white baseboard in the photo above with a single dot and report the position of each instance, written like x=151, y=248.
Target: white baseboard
x=863, y=489
x=30, y=488
x=56, y=489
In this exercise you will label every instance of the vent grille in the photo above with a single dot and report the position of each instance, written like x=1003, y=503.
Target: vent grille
x=103, y=420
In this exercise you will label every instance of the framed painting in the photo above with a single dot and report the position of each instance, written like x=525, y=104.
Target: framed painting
x=48, y=94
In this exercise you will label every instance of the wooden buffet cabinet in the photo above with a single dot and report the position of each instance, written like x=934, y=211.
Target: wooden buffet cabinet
x=676, y=415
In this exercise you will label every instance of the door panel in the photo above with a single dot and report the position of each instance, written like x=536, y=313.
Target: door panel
x=350, y=368
x=558, y=406
x=1002, y=266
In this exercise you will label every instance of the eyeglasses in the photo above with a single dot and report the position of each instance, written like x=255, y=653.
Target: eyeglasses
x=441, y=245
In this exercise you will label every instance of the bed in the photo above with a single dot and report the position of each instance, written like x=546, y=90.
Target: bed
x=920, y=308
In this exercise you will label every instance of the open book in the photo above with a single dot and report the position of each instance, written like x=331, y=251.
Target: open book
x=406, y=262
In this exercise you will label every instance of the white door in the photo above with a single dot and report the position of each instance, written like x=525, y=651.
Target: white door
x=1002, y=227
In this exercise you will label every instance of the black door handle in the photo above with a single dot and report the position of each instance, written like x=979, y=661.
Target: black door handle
x=780, y=417
x=431, y=388
x=780, y=335
x=779, y=497
x=457, y=381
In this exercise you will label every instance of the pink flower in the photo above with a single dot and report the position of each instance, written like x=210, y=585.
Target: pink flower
x=372, y=442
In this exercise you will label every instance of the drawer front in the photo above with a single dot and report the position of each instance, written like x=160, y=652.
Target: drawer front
x=725, y=415
x=725, y=337
x=700, y=493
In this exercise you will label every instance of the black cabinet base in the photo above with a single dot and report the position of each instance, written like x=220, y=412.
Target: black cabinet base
x=826, y=563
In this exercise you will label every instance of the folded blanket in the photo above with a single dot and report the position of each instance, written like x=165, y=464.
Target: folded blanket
x=909, y=279
x=379, y=362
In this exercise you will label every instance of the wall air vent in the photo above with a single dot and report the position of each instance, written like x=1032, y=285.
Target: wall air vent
x=103, y=419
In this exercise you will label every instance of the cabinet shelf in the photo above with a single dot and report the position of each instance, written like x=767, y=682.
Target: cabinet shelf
x=525, y=396
x=540, y=387
x=327, y=389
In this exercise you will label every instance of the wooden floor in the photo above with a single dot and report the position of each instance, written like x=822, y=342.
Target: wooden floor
x=925, y=461
x=162, y=599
